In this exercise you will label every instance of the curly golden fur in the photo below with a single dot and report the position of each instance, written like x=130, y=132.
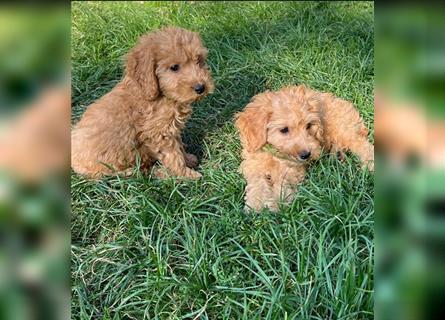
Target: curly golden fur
x=298, y=122
x=143, y=115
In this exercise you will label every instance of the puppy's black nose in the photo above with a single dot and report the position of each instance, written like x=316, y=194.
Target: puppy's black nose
x=199, y=88
x=303, y=155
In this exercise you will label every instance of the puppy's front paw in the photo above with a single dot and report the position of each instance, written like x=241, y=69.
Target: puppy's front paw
x=191, y=160
x=192, y=174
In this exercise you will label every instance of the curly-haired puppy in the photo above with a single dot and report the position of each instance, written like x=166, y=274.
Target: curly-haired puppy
x=282, y=131
x=143, y=115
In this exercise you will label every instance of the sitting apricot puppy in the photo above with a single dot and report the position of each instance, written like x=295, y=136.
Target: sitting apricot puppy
x=281, y=131
x=145, y=112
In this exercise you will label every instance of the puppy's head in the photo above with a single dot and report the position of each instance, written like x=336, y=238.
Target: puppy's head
x=288, y=119
x=170, y=62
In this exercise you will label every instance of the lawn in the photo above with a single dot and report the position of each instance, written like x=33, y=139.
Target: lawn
x=143, y=248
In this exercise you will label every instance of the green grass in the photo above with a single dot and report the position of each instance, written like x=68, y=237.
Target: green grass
x=145, y=248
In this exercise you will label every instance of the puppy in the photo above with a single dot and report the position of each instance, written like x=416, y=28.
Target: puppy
x=143, y=115
x=282, y=131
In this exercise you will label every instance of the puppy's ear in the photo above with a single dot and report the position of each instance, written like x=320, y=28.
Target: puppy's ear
x=252, y=123
x=318, y=131
x=141, y=66
x=314, y=104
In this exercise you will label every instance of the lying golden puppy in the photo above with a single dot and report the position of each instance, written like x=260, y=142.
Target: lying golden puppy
x=282, y=131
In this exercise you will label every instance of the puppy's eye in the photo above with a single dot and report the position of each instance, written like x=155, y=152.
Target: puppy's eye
x=284, y=130
x=174, y=68
x=201, y=62
x=308, y=126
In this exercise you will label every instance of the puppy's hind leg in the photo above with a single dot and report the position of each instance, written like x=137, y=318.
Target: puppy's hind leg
x=191, y=160
x=259, y=194
x=356, y=141
x=364, y=150
x=345, y=130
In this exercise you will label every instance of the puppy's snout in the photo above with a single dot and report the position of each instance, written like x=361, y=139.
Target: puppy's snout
x=199, y=88
x=304, y=155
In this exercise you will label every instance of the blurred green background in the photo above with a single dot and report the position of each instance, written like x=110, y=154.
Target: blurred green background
x=410, y=196
x=34, y=215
